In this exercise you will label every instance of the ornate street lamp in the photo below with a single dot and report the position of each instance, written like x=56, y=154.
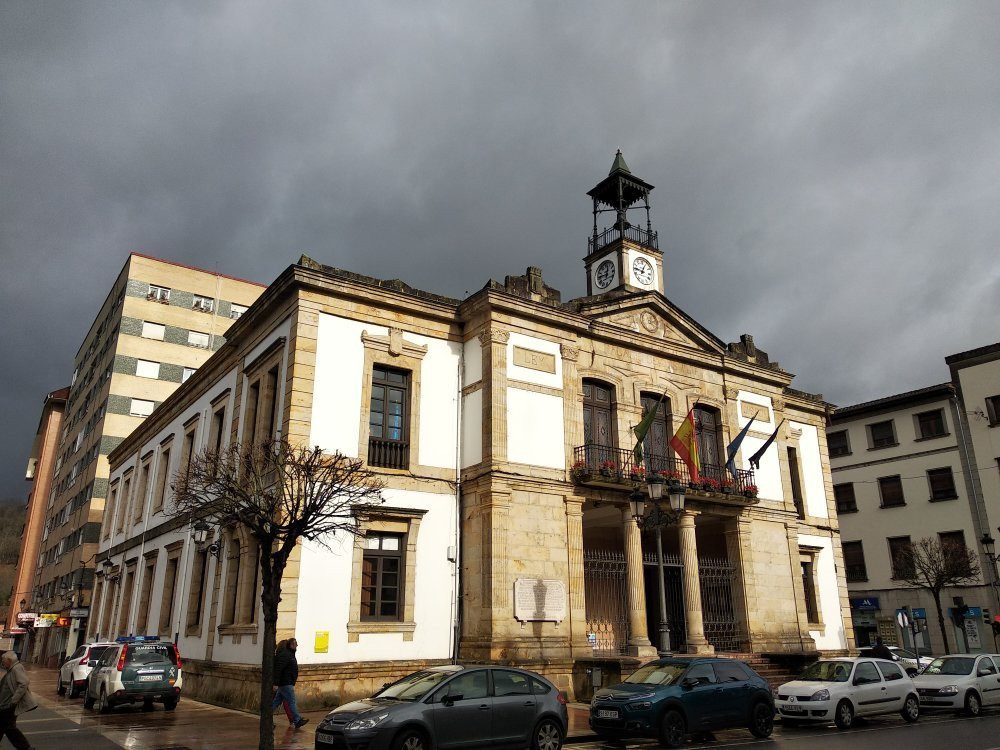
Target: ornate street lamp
x=200, y=534
x=657, y=518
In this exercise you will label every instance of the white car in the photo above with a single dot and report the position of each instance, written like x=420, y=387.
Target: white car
x=960, y=682
x=908, y=660
x=76, y=669
x=839, y=689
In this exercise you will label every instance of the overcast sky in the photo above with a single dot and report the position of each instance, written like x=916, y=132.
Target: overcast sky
x=827, y=173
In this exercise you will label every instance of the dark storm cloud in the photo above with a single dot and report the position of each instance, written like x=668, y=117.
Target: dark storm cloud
x=825, y=172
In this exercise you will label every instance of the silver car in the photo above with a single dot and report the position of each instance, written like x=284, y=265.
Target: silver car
x=76, y=669
x=452, y=707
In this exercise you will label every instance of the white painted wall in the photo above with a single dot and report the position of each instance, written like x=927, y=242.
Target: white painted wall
x=811, y=470
x=527, y=374
x=340, y=359
x=325, y=581
x=472, y=429
x=439, y=393
x=473, y=361
x=768, y=476
x=535, y=429
x=833, y=636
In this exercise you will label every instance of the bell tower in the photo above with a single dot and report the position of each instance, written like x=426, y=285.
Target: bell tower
x=623, y=255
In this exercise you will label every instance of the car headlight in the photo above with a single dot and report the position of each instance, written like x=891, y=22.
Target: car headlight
x=641, y=696
x=948, y=690
x=821, y=695
x=369, y=722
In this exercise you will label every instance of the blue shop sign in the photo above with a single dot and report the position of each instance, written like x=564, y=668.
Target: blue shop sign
x=868, y=602
x=919, y=613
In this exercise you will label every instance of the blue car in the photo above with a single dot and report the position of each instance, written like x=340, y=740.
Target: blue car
x=668, y=699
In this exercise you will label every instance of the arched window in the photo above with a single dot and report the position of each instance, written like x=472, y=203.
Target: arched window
x=656, y=445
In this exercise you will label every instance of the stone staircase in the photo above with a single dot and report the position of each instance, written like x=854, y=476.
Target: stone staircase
x=777, y=669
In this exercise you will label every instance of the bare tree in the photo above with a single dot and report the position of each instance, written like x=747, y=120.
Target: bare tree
x=934, y=565
x=279, y=494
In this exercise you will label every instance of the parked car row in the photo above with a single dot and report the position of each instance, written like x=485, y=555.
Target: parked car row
x=133, y=669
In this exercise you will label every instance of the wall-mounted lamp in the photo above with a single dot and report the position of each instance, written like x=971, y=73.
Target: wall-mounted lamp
x=200, y=534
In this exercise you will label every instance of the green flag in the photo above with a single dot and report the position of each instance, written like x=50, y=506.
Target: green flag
x=642, y=428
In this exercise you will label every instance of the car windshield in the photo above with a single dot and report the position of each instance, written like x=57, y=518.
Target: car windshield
x=827, y=671
x=951, y=665
x=656, y=674
x=415, y=686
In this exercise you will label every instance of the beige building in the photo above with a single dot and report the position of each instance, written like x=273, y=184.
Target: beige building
x=914, y=465
x=156, y=327
x=501, y=426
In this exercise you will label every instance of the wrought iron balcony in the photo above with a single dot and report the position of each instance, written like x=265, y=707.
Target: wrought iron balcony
x=632, y=233
x=601, y=465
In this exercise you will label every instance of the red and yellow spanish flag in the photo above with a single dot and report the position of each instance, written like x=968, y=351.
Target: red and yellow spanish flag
x=685, y=445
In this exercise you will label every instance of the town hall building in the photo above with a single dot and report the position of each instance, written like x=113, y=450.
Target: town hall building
x=501, y=425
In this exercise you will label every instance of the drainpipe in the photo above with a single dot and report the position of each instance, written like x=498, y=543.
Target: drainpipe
x=456, y=557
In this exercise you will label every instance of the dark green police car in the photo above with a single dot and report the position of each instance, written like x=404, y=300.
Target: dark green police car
x=137, y=669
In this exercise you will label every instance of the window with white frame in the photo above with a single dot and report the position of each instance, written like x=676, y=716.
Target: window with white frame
x=204, y=304
x=158, y=293
x=146, y=369
x=187, y=373
x=153, y=330
x=141, y=407
x=199, y=339
x=235, y=311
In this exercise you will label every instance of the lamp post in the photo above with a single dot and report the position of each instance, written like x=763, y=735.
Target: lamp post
x=989, y=547
x=200, y=535
x=657, y=518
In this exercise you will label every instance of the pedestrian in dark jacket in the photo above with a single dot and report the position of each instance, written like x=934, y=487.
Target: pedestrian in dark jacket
x=286, y=674
x=15, y=699
x=880, y=650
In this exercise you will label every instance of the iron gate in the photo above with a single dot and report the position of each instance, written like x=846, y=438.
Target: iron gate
x=606, y=599
x=718, y=577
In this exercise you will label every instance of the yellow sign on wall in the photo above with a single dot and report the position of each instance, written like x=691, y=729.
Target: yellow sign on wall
x=322, y=642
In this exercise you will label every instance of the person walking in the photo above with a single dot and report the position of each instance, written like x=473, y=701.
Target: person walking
x=15, y=699
x=282, y=645
x=286, y=673
x=880, y=650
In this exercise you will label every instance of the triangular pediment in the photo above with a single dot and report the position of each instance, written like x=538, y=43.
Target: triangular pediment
x=651, y=314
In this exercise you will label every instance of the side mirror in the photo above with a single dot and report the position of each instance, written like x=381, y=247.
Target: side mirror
x=984, y=672
x=92, y=663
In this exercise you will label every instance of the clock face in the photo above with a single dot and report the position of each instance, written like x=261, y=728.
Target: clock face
x=642, y=270
x=605, y=273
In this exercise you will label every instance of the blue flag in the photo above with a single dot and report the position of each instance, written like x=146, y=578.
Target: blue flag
x=735, y=446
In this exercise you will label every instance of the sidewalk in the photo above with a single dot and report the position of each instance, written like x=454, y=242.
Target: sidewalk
x=61, y=723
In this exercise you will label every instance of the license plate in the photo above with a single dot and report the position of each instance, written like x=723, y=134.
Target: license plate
x=605, y=714
x=326, y=739
x=790, y=710
x=148, y=678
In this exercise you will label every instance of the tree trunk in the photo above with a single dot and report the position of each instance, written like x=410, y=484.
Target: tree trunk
x=940, y=614
x=270, y=595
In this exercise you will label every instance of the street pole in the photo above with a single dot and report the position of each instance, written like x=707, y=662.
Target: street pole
x=664, y=644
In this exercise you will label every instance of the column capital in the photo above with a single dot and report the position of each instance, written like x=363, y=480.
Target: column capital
x=494, y=336
x=569, y=352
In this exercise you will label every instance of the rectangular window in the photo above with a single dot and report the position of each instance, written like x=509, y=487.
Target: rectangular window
x=139, y=507
x=930, y=424
x=142, y=617
x=197, y=596
x=140, y=407
x=793, y=476
x=844, y=495
x=235, y=311
x=158, y=293
x=891, y=491
x=123, y=503
x=146, y=369
x=942, y=483
x=901, y=557
x=167, y=600
x=882, y=434
x=388, y=419
x=162, y=478
x=993, y=410
x=809, y=589
x=199, y=339
x=838, y=444
x=186, y=373
x=954, y=552
x=381, y=576
x=854, y=562
x=217, y=433
x=126, y=600
x=204, y=304
x=153, y=330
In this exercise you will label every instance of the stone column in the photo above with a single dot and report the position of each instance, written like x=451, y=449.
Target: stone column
x=579, y=645
x=494, y=343
x=696, y=642
x=638, y=633
x=737, y=534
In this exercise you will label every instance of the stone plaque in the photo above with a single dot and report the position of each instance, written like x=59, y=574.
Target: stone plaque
x=539, y=599
x=759, y=411
x=534, y=360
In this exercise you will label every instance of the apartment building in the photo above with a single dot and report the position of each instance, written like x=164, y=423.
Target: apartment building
x=915, y=465
x=157, y=325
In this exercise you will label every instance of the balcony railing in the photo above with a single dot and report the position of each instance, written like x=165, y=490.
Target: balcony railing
x=603, y=464
x=633, y=234
x=389, y=454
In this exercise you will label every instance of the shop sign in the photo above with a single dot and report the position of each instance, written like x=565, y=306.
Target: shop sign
x=868, y=602
x=46, y=620
x=16, y=631
x=26, y=618
x=79, y=612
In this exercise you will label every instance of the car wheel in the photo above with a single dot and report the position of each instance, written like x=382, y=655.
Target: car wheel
x=547, y=736
x=672, y=729
x=911, y=708
x=74, y=690
x=844, y=717
x=169, y=704
x=973, y=706
x=761, y=720
x=60, y=688
x=410, y=740
x=102, y=702
x=88, y=701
